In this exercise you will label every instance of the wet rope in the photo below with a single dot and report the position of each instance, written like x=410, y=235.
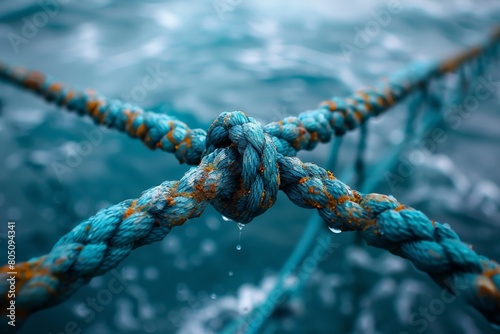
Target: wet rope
x=291, y=135
x=243, y=166
x=253, y=321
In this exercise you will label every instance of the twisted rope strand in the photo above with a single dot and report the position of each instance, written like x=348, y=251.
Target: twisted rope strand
x=385, y=223
x=242, y=165
x=225, y=178
x=291, y=135
x=101, y=242
x=254, y=320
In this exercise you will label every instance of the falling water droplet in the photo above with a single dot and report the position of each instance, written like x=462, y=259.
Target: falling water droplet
x=240, y=226
x=334, y=230
x=230, y=273
x=227, y=219
x=213, y=296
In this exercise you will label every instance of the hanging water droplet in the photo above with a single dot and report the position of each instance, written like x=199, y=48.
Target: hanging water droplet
x=230, y=273
x=213, y=296
x=240, y=226
x=334, y=230
x=227, y=219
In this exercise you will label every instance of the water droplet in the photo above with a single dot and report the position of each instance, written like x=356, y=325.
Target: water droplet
x=213, y=296
x=334, y=230
x=240, y=227
x=230, y=273
x=227, y=219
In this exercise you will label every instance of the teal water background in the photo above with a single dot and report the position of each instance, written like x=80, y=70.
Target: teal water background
x=270, y=59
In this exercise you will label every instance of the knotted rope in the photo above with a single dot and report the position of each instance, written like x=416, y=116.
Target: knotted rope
x=241, y=167
x=225, y=178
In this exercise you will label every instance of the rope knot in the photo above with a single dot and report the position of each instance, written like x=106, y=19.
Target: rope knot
x=255, y=172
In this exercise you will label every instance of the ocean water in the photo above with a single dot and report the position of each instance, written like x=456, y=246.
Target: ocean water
x=270, y=59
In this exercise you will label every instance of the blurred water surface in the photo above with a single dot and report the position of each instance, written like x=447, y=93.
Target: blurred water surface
x=271, y=59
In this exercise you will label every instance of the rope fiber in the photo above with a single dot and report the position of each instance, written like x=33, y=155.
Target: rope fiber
x=240, y=165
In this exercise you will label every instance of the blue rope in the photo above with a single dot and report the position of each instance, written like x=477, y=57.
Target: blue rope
x=257, y=317
x=242, y=165
x=98, y=244
x=313, y=227
x=291, y=135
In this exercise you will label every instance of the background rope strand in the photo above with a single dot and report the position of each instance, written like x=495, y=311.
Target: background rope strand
x=291, y=135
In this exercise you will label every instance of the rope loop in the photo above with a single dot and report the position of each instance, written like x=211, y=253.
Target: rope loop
x=255, y=171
